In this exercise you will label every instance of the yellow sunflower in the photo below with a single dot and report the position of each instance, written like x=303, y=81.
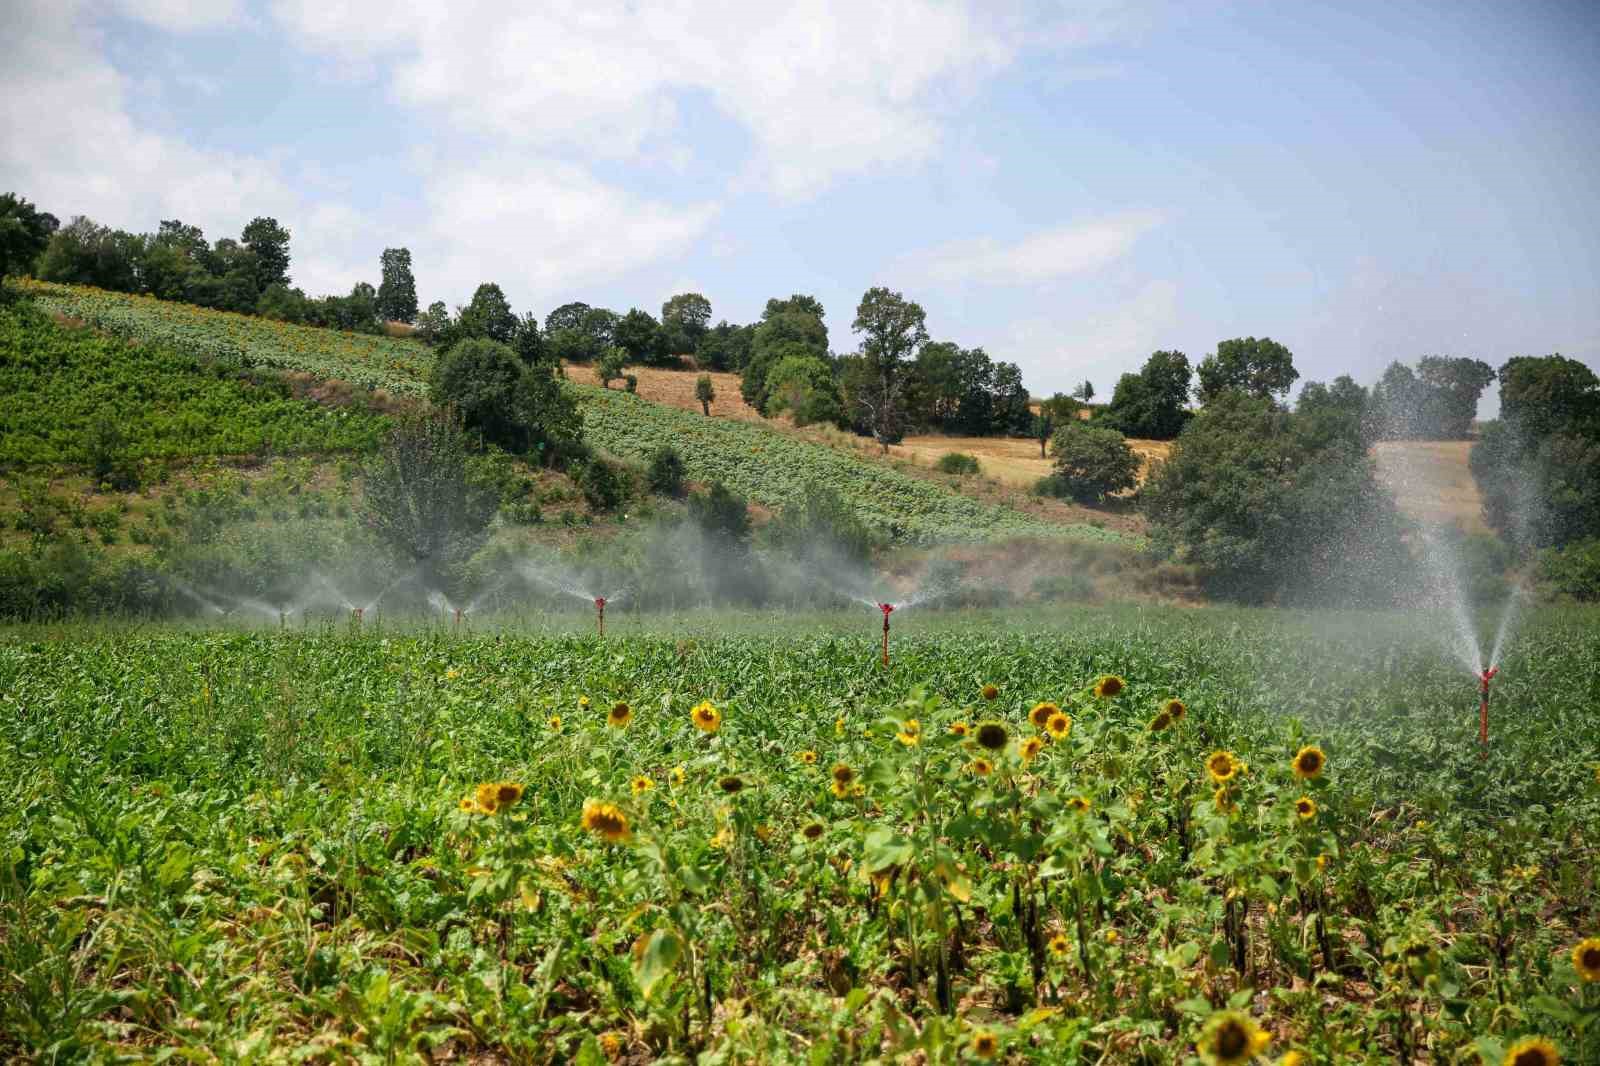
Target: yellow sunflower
x=554, y=722
x=621, y=714
x=605, y=820
x=991, y=692
x=1222, y=765
x=960, y=729
x=1308, y=762
x=1175, y=710
x=808, y=757
x=1041, y=713
x=1231, y=1038
x=583, y=703
x=993, y=735
x=1586, y=958
x=488, y=795
x=982, y=767
x=813, y=830
x=1079, y=804
x=1109, y=686
x=706, y=718
x=1031, y=748
x=1060, y=946
x=1532, y=1051
x=610, y=1045
x=1306, y=808
x=838, y=727
x=1294, y=1058
x=843, y=778
x=507, y=793
x=1160, y=722
x=642, y=784
x=910, y=733
x=467, y=805
x=1059, y=726
x=678, y=775
x=985, y=1045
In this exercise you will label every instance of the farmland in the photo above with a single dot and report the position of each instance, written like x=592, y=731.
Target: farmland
x=273, y=845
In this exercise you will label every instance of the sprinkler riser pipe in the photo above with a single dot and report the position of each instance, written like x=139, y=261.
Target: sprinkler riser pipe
x=1483, y=706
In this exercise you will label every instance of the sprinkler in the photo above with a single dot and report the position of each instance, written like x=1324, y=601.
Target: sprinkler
x=458, y=617
x=358, y=613
x=600, y=614
x=1483, y=706
x=887, y=609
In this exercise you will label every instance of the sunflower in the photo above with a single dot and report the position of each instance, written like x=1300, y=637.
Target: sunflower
x=1532, y=1051
x=610, y=1045
x=982, y=767
x=808, y=757
x=1079, y=804
x=507, y=793
x=910, y=732
x=605, y=820
x=960, y=729
x=1322, y=862
x=1160, y=722
x=813, y=830
x=732, y=784
x=583, y=703
x=1294, y=1058
x=1306, y=808
x=488, y=794
x=990, y=692
x=621, y=714
x=554, y=722
x=1222, y=800
x=467, y=805
x=1308, y=762
x=1031, y=748
x=993, y=735
x=1175, y=709
x=678, y=775
x=838, y=727
x=1586, y=958
x=1058, y=726
x=1222, y=765
x=1059, y=946
x=843, y=778
x=1041, y=713
x=1230, y=1038
x=706, y=718
x=1109, y=686
x=985, y=1044
x=642, y=784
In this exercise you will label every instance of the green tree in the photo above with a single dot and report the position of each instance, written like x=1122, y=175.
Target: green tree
x=1456, y=385
x=520, y=408
x=397, y=292
x=85, y=253
x=268, y=244
x=725, y=347
x=1085, y=391
x=1092, y=462
x=1327, y=414
x=1257, y=367
x=435, y=327
x=690, y=314
x=1150, y=404
x=705, y=392
x=488, y=316
x=722, y=515
x=891, y=328
x=567, y=316
x=611, y=366
x=803, y=385
x=24, y=232
x=1043, y=428
x=790, y=329
x=425, y=498
x=666, y=471
x=528, y=341
x=638, y=334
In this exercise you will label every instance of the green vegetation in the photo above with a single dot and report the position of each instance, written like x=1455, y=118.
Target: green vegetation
x=1090, y=462
x=958, y=463
x=275, y=843
x=75, y=396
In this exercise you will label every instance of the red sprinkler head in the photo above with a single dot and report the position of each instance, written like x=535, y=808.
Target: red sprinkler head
x=887, y=609
x=1486, y=677
x=360, y=612
x=600, y=602
x=1483, y=707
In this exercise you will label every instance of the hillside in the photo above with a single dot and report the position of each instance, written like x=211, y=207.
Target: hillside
x=1431, y=481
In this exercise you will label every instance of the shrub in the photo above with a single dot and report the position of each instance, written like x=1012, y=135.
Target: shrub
x=521, y=408
x=1572, y=571
x=1050, y=588
x=603, y=486
x=665, y=474
x=1054, y=486
x=957, y=463
x=105, y=446
x=820, y=520
x=1093, y=461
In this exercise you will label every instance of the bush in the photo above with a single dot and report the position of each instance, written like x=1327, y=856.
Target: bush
x=521, y=408
x=1092, y=461
x=1075, y=588
x=820, y=521
x=1053, y=485
x=106, y=447
x=957, y=463
x=1572, y=572
x=665, y=475
x=603, y=486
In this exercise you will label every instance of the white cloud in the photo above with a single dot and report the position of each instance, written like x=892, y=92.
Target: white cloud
x=181, y=16
x=1059, y=351
x=1042, y=256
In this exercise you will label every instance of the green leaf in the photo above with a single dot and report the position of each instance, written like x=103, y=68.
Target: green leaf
x=660, y=954
x=885, y=848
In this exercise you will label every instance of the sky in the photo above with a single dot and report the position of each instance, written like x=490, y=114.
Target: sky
x=1068, y=186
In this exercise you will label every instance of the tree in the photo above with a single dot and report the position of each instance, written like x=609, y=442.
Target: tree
x=1255, y=367
x=722, y=516
x=638, y=334
x=1044, y=427
x=803, y=385
x=690, y=313
x=666, y=471
x=1328, y=414
x=892, y=328
x=1150, y=404
x=24, y=232
x=1092, y=462
x=567, y=316
x=268, y=242
x=1085, y=391
x=85, y=253
x=488, y=316
x=423, y=496
x=787, y=331
x=705, y=392
x=521, y=408
x=611, y=366
x=1548, y=395
x=528, y=341
x=1456, y=384
x=397, y=292
x=572, y=345
x=1009, y=413
x=808, y=305
x=725, y=347
x=434, y=326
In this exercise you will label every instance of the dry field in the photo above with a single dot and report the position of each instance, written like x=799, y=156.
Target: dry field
x=1431, y=481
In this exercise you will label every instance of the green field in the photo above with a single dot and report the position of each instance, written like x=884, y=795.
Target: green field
x=249, y=845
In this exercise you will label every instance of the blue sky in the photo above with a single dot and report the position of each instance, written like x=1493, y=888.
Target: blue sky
x=1068, y=186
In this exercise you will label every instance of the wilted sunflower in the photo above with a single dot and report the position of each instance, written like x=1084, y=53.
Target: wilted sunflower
x=1586, y=958
x=554, y=722
x=642, y=784
x=960, y=729
x=991, y=692
x=813, y=830
x=1175, y=710
x=808, y=757
x=1041, y=713
x=1222, y=800
x=507, y=793
x=1059, y=946
x=1160, y=722
x=1306, y=808
x=1222, y=765
x=605, y=820
x=732, y=784
x=993, y=735
x=1079, y=804
x=1532, y=1051
x=985, y=1044
x=610, y=1045
x=982, y=767
x=1031, y=748
x=843, y=778
x=621, y=714
x=1058, y=726
x=1308, y=762
x=1109, y=686
x=706, y=718
x=1231, y=1038
x=910, y=732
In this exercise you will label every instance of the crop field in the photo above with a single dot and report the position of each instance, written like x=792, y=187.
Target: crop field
x=1130, y=836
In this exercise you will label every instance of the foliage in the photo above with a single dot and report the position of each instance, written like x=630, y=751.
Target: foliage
x=819, y=525
x=1262, y=368
x=891, y=328
x=268, y=245
x=788, y=328
x=1436, y=402
x=639, y=335
x=705, y=392
x=1339, y=411
x=725, y=347
x=665, y=473
x=960, y=390
x=1092, y=462
x=685, y=320
x=1572, y=571
x=803, y=385
x=520, y=408
x=957, y=463
x=611, y=366
x=604, y=486
x=285, y=807
x=24, y=232
x=1151, y=404
x=488, y=316
x=397, y=292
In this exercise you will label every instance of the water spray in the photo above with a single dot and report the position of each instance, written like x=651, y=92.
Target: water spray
x=600, y=614
x=358, y=613
x=887, y=609
x=1483, y=707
